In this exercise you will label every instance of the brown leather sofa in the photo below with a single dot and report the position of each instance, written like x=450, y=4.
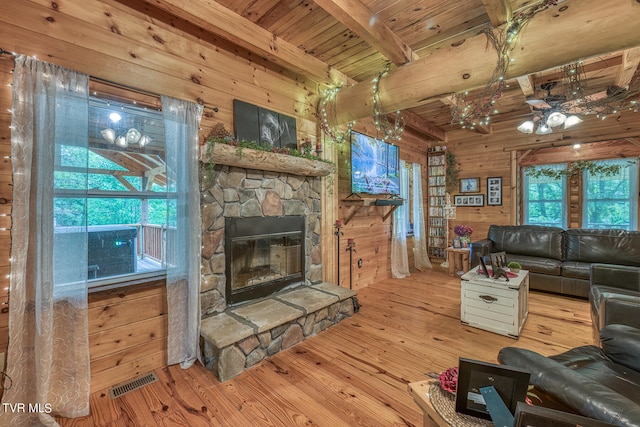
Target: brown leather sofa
x=560, y=260
x=614, y=296
x=601, y=383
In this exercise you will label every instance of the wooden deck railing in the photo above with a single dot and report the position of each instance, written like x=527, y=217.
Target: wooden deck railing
x=153, y=241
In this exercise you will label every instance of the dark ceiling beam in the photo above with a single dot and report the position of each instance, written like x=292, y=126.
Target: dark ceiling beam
x=630, y=62
x=499, y=11
x=420, y=125
x=527, y=85
x=359, y=19
x=218, y=20
x=442, y=73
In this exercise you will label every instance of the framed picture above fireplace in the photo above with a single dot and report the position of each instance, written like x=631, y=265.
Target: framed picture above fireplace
x=257, y=124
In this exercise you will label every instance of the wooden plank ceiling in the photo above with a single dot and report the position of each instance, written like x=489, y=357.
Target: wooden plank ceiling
x=350, y=41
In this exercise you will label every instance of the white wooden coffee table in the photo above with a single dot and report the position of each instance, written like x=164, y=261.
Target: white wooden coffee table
x=495, y=305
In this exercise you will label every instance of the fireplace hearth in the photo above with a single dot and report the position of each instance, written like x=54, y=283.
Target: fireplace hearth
x=264, y=255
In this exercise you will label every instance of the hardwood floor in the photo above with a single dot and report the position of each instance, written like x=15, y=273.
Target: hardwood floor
x=355, y=373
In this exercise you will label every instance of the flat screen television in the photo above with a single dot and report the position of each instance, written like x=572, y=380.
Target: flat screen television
x=375, y=166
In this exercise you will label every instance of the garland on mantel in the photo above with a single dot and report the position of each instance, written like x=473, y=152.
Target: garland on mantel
x=219, y=134
x=574, y=167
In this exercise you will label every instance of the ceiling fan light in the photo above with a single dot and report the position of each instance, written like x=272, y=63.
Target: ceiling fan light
x=526, y=127
x=133, y=136
x=543, y=129
x=144, y=140
x=556, y=119
x=109, y=135
x=121, y=141
x=572, y=120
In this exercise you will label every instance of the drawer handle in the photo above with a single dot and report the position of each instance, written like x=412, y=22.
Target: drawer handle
x=488, y=298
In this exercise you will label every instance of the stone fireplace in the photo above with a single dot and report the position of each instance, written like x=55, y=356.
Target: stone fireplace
x=251, y=199
x=261, y=289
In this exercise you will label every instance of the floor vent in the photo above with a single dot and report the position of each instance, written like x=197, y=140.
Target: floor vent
x=133, y=384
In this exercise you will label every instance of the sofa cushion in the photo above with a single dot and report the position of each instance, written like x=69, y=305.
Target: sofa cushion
x=531, y=240
x=579, y=270
x=535, y=264
x=606, y=246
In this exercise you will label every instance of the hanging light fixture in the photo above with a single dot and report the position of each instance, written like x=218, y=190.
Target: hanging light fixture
x=556, y=118
x=543, y=129
x=573, y=99
x=132, y=137
x=526, y=127
x=571, y=121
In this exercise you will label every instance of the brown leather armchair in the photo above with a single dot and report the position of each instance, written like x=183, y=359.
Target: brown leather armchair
x=614, y=296
x=596, y=382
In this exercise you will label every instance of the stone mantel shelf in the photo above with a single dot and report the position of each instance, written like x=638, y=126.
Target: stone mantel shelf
x=224, y=154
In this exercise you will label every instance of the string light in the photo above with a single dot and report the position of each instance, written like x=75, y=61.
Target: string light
x=327, y=110
x=469, y=113
x=389, y=132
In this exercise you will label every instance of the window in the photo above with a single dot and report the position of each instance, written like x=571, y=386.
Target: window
x=611, y=201
x=544, y=199
x=117, y=187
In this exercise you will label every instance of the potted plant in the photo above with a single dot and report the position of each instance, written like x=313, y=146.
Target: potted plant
x=514, y=267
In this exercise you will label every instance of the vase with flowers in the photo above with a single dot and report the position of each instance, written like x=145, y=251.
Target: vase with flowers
x=464, y=234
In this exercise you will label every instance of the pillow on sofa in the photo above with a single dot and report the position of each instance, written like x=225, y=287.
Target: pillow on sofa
x=607, y=246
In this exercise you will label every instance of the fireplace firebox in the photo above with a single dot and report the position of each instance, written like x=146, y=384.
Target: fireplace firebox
x=263, y=255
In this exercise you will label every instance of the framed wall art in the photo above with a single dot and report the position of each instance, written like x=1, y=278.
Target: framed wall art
x=494, y=191
x=253, y=123
x=462, y=200
x=470, y=185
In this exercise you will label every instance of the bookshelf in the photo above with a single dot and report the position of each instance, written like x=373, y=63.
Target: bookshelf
x=437, y=223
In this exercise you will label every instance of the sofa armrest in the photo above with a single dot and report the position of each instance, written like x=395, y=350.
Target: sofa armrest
x=611, y=305
x=480, y=247
x=621, y=343
x=617, y=276
x=581, y=394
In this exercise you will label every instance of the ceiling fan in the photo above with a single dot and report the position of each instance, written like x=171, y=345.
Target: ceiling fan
x=554, y=109
x=548, y=101
x=550, y=111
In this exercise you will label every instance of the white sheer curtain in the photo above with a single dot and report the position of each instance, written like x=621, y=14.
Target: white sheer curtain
x=420, y=255
x=48, y=356
x=399, y=257
x=182, y=123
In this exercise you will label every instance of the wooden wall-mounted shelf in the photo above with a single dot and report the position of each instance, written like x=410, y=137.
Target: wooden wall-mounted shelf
x=356, y=204
x=248, y=158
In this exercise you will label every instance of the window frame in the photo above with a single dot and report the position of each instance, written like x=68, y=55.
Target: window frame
x=168, y=194
x=563, y=201
x=632, y=200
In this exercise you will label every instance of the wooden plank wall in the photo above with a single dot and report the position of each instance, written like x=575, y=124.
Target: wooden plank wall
x=6, y=191
x=480, y=156
x=121, y=44
x=111, y=41
x=490, y=155
x=371, y=234
x=127, y=333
